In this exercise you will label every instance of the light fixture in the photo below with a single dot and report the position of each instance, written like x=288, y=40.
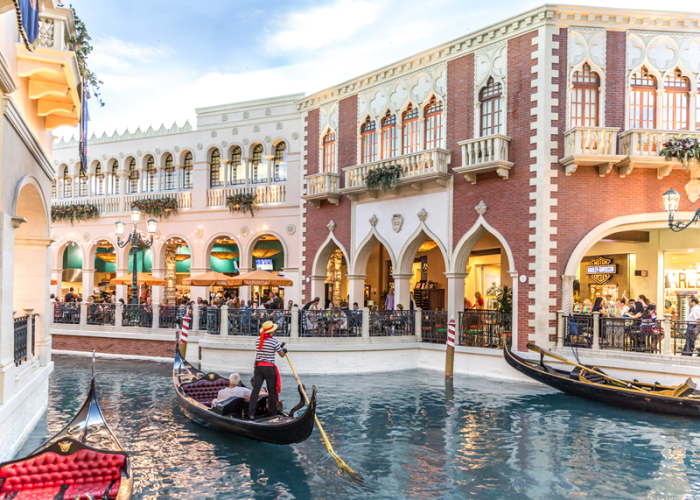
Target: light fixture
x=427, y=246
x=107, y=257
x=151, y=224
x=119, y=227
x=225, y=255
x=135, y=215
x=671, y=201
x=264, y=253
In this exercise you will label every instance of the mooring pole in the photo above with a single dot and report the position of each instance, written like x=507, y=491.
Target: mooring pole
x=450, y=355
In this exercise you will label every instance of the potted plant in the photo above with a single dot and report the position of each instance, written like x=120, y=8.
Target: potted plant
x=684, y=149
x=504, y=301
x=241, y=202
x=385, y=177
x=76, y=211
x=157, y=207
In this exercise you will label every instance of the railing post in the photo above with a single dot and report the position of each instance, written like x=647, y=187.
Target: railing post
x=560, y=328
x=365, y=322
x=419, y=324
x=117, y=315
x=156, y=316
x=596, y=331
x=52, y=315
x=294, y=334
x=667, y=335
x=30, y=339
x=83, y=313
x=195, y=317
x=224, y=321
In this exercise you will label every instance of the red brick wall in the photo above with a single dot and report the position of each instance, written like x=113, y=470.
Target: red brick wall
x=153, y=348
x=615, y=54
x=312, y=142
x=459, y=117
x=317, y=219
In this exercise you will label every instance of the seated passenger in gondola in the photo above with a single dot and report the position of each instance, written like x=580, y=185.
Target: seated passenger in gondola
x=235, y=390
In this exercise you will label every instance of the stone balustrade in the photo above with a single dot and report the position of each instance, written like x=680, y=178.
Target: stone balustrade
x=485, y=154
x=323, y=186
x=264, y=195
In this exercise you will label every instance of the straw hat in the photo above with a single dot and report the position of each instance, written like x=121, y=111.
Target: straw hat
x=268, y=327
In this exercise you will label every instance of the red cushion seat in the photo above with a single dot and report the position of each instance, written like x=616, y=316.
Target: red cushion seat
x=204, y=391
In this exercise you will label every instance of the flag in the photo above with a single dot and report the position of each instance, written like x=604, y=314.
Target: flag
x=82, y=148
x=28, y=20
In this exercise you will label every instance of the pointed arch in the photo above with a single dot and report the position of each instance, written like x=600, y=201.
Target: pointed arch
x=469, y=239
x=412, y=245
x=364, y=250
x=324, y=252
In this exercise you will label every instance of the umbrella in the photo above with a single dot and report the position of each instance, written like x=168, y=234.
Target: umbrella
x=54, y=282
x=259, y=277
x=208, y=279
x=142, y=279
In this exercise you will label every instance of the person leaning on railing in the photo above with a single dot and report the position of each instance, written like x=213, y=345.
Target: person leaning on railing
x=691, y=332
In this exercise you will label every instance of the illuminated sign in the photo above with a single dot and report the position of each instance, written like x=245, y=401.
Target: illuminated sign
x=611, y=269
x=601, y=270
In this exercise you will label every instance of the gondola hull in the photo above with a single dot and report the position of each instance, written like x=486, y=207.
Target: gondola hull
x=620, y=397
x=281, y=430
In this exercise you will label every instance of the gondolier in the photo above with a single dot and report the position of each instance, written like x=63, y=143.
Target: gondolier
x=265, y=369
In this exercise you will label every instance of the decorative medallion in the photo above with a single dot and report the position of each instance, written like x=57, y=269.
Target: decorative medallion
x=268, y=112
x=295, y=136
x=55, y=162
x=331, y=226
x=177, y=149
x=373, y=221
x=279, y=126
x=224, y=118
x=268, y=138
x=223, y=143
x=121, y=155
x=213, y=133
x=139, y=153
x=199, y=232
x=234, y=131
x=65, y=445
x=245, y=231
x=256, y=128
x=156, y=235
x=601, y=270
x=104, y=157
x=246, y=141
x=157, y=151
x=246, y=114
x=199, y=146
x=396, y=223
x=693, y=190
x=422, y=215
x=291, y=229
x=211, y=376
x=86, y=236
x=481, y=208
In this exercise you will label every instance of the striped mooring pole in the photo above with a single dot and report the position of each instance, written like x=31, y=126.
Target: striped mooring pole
x=450, y=355
x=183, y=334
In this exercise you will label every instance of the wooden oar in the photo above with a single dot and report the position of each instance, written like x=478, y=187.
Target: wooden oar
x=624, y=383
x=341, y=463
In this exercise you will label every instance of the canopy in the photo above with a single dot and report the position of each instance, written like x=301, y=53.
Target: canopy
x=142, y=279
x=259, y=277
x=208, y=279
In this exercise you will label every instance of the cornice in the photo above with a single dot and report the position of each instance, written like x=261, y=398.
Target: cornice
x=7, y=82
x=16, y=119
x=558, y=15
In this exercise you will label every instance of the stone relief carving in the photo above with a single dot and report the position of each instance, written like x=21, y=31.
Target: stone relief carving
x=200, y=146
x=692, y=189
x=177, y=149
x=295, y=136
x=139, y=153
x=268, y=112
x=199, y=232
x=121, y=155
x=256, y=128
x=246, y=114
x=86, y=236
x=396, y=223
x=234, y=131
x=373, y=221
x=157, y=234
x=245, y=231
x=662, y=53
x=587, y=46
x=104, y=157
x=224, y=144
x=157, y=151
x=331, y=226
x=213, y=133
x=422, y=215
x=246, y=141
x=224, y=118
x=268, y=138
x=328, y=116
x=491, y=61
x=279, y=126
x=291, y=229
x=481, y=208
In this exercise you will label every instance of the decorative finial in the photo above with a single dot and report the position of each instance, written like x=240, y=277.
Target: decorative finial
x=331, y=226
x=422, y=215
x=373, y=220
x=481, y=208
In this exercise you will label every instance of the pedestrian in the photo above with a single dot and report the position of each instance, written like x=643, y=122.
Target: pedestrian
x=70, y=296
x=478, y=301
x=290, y=304
x=691, y=332
x=309, y=305
x=266, y=370
x=389, y=302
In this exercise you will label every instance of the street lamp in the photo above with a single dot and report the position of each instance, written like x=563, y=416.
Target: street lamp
x=671, y=201
x=135, y=239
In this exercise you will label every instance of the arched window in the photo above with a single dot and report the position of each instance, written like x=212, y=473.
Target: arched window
x=369, y=141
x=187, y=172
x=389, y=136
x=329, y=152
x=411, y=130
x=151, y=183
x=114, y=180
x=237, y=174
x=584, y=97
x=280, y=162
x=169, y=174
x=675, y=109
x=67, y=191
x=215, y=170
x=257, y=176
x=82, y=184
x=643, y=100
x=133, y=177
x=53, y=189
x=433, y=124
x=99, y=180
x=491, y=101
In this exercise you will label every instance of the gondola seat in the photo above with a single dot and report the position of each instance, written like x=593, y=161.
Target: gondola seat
x=77, y=474
x=204, y=391
x=237, y=407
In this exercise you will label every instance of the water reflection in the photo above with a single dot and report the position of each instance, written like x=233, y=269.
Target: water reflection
x=410, y=434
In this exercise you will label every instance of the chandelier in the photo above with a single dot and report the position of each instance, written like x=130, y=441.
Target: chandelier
x=264, y=253
x=108, y=257
x=181, y=257
x=427, y=246
x=225, y=255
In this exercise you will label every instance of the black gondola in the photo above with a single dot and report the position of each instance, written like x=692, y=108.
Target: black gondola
x=595, y=385
x=196, y=391
x=85, y=460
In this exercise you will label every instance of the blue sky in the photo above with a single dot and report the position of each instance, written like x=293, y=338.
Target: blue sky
x=159, y=60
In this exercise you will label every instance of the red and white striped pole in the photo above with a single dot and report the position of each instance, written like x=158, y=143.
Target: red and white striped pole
x=450, y=356
x=183, y=334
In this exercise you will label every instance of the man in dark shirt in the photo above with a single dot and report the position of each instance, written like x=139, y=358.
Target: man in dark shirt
x=70, y=296
x=309, y=304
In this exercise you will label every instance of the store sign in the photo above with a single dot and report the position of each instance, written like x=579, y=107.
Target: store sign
x=601, y=270
x=682, y=279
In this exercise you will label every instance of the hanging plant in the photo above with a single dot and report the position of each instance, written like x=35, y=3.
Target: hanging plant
x=78, y=211
x=241, y=202
x=157, y=207
x=684, y=150
x=386, y=177
x=83, y=48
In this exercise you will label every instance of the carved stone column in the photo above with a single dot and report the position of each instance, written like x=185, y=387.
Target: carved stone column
x=170, y=277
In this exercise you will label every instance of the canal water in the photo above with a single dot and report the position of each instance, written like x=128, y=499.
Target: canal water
x=410, y=434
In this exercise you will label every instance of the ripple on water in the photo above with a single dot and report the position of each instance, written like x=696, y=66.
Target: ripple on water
x=410, y=434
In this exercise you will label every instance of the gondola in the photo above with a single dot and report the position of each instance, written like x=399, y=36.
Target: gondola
x=594, y=384
x=85, y=460
x=196, y=390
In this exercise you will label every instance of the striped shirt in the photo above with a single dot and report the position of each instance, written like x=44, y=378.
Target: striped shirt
x=267, y=353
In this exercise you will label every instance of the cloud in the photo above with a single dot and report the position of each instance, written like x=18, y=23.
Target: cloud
x=119, y=56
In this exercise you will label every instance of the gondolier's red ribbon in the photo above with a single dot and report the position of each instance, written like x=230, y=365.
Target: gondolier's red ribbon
x=263, y=336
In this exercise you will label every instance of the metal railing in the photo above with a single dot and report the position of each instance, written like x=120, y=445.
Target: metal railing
x=66, y=312
x=168, y=316
x=391, y=323
x=578, y=330
x=20, y=339
x=247, y=321
x=213, y=315
x=684, y=338
x=485, y=328
x=101, y=314
x=434, y=327
x=335, y=323
x=137, y=315
x=202, y=317
x=635, y=335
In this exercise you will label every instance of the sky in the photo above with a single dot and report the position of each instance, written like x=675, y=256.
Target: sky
x=159, y=60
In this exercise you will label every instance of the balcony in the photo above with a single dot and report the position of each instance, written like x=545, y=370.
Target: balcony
x=641, y=148
x=323, y=186
x=419, y=168
x=484, y=154
x=52, y=69
x=105, y=204
x=591, y=146
x=274, y=194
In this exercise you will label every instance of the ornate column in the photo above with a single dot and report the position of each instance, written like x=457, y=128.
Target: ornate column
x=226, y=174
x=567, y=293
x=170, y=277
x=402, y=290
x=157, y=291
x=692, y=100
x=245, y=163
x=122, y=289
x=88, y=281
x=455, y=294
x=658, y=109
x=270, y=161
x=123, y=176
x=356, y=289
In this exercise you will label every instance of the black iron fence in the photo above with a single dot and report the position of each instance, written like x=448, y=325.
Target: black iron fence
x=334, y=323
x=137, y=315
x=434, y=327
x=20, y=339
x=578, y=330
x=66, y=312
x=202, y=317
x=168, y=316
x=213, y=315
x=248, y=321
x=391, y=323
x=684, y=338
x=101, y=314
x=636, y=335
x=485, y=328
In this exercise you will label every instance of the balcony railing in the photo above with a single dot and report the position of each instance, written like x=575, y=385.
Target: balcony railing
x=434, y=327
x=250, y=321
x=485, y=328
x=137, y=315
x=264, y=195
x=66, y=312
x=101, y=314
x=331, y=323
x=642, y=148
x=391, y=323
x=323, y=186
x=590, y=146
x=21, y=324
x=418, y=168
x=184, y=198
x=485, y=154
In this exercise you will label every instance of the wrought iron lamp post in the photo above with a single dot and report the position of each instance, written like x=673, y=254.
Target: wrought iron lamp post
x=671, y=201
x=135, y=239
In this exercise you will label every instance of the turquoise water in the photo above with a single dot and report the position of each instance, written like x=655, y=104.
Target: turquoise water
x=409, y=434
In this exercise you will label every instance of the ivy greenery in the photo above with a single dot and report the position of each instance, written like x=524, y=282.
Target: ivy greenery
x=684, y=150
x=386, y=177
x=81, y=45
x=156, y=207
x=77, y=211
x=241, y=202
